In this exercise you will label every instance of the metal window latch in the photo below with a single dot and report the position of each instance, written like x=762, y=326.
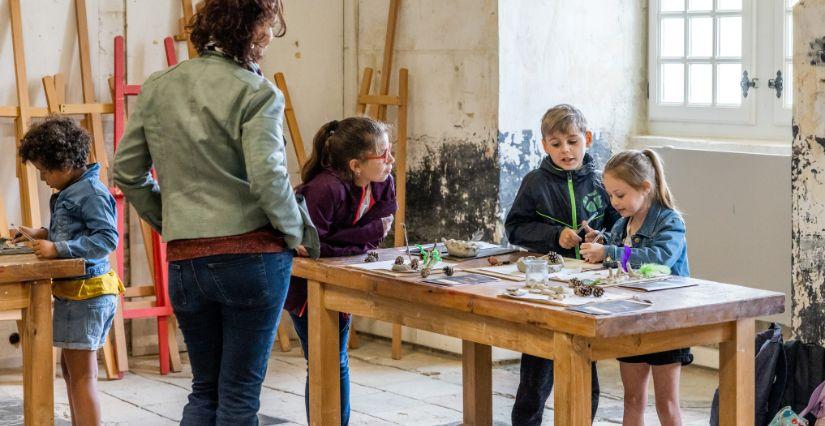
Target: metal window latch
x=747, y=83
x=776, y=84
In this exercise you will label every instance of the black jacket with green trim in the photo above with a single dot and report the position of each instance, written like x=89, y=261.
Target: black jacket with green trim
x=551, y=199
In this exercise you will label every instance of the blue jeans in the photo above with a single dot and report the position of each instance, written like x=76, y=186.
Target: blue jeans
x=228, y=307
x=534, y=389
x=302, y=328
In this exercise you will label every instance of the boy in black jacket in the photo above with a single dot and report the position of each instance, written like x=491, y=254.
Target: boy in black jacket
x=550, y=209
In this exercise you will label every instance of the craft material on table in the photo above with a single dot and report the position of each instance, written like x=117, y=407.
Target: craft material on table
x=610, y=307
x=655, y=284
x=7, y=247
x=463, y=279
x=572, y=267
x=385, y=267
x=569, y=299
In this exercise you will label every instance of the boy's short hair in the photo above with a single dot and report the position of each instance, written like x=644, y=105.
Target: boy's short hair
x=57, y=143
x=562, y=118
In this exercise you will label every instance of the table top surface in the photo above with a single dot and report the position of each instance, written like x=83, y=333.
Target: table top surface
x=705, y=303
x=27, y=267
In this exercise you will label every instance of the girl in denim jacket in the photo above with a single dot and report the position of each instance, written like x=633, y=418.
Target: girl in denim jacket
x=83, y=225
x=651, y=230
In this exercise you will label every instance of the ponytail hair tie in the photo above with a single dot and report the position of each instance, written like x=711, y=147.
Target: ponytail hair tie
x=333, y=125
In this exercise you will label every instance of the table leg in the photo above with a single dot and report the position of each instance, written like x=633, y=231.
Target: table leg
x=324, y=362
x=571, y=377
x=736, y=375
x=477, y=381
x=37, y=356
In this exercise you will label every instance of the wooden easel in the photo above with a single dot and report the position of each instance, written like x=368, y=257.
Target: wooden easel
x=375, y=106
x=55, y=87
x=183, y=35
x=402, y=102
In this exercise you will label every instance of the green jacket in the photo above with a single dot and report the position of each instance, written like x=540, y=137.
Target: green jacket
x=213, y=131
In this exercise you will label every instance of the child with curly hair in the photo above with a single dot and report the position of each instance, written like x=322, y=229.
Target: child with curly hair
x=83, y=225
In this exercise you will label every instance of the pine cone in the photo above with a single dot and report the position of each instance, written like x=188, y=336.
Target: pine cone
x=399, y=260
x=449, y=271
x=598, y=292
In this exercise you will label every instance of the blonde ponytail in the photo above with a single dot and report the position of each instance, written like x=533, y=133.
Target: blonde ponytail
x=635, y=167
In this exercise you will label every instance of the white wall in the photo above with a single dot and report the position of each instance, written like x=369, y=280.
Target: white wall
x=737, y=210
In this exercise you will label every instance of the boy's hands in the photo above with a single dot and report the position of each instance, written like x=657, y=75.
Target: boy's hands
x=387, y=222
x=592, y=252
x=569, y=239
x=34, y=233
x=44, y=249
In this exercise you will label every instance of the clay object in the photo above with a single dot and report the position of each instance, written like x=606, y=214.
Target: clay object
x=462, y=248
x=449, y=271
x=403, y=267
x=371, y=257
x=516, y=291
x=493, y=261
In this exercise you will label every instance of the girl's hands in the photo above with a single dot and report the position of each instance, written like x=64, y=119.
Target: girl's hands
x=387, y=222
x=592, y=252
x=590, y=233
x=301, y=251
x=569, y=239
x=34, y=233
x=44, y=249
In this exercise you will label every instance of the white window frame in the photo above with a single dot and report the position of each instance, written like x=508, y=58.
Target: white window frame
x=685, y=113
x=782, y=114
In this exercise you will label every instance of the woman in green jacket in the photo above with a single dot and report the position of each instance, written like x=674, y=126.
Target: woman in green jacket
x=212, y=128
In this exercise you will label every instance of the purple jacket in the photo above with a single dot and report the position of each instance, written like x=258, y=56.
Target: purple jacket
x=332, y=203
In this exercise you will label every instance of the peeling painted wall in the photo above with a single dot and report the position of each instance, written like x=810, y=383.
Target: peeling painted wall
x=590, y=54
x=450, y=49
x=808, y=182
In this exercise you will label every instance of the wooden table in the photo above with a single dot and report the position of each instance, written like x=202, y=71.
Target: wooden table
x=26, y=283
x=700, y=315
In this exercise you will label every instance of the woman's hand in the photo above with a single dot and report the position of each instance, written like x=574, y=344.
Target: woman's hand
x=592, y=252
x=301, y=251
x=387, y=221
x=44, y=249
x=569, y=239
x=33, y=233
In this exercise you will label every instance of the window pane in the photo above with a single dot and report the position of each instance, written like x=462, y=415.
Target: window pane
x=695, y=5
x=672, y=5
x=673, y=37
x=701, y=37
x=701, y=84
x=729, y=5
x=730, y=37
x=728, y=91
x=787, y=91
x=673, y=83
x=789, y=36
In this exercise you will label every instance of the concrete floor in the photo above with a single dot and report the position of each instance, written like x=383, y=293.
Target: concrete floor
x=424, y=388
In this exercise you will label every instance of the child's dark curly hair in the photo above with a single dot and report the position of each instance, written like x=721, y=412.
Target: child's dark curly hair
x=231, y=25
x=57, y=143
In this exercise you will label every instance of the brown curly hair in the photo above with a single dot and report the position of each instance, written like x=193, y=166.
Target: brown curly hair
x=57, y=143
x=232, y=25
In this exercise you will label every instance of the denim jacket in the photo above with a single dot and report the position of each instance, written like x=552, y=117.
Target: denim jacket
x=660, y=239
x=84, y=222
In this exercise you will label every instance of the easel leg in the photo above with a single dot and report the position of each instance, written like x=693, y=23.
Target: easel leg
x=174, y=351
x=477, y=360
x=736, y=375
x=572, y=376
x=324, y=366
x=283, y=334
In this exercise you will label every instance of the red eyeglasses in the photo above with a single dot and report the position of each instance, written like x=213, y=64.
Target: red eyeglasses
x=385, y=156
